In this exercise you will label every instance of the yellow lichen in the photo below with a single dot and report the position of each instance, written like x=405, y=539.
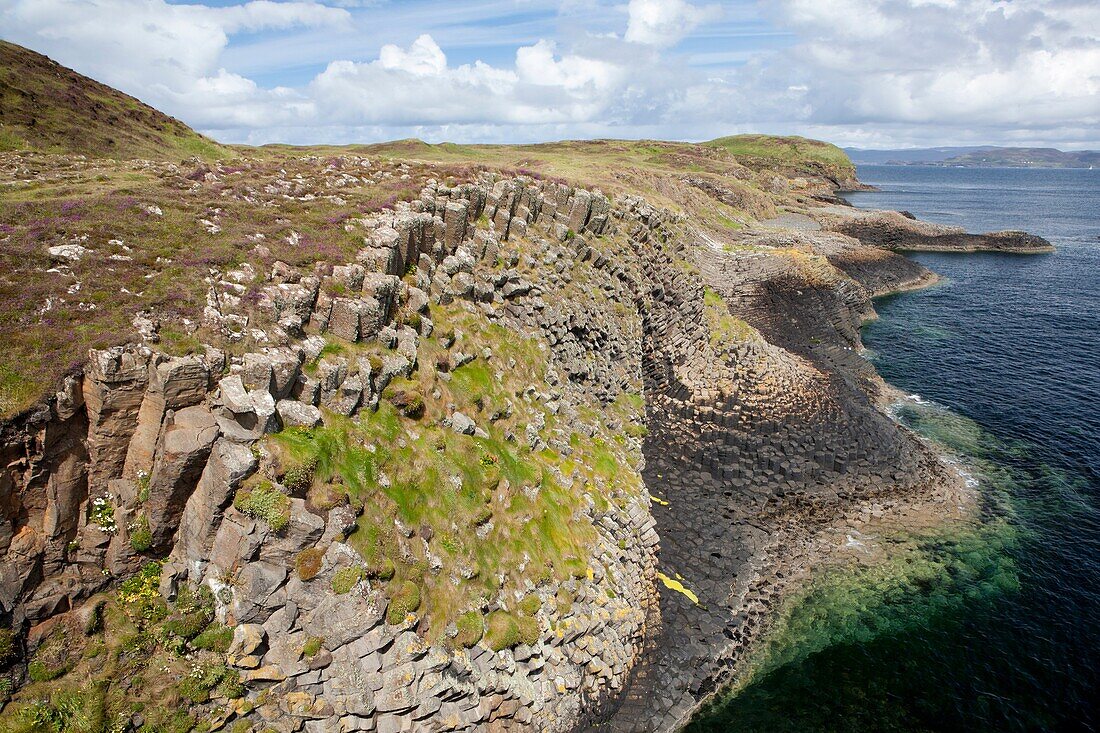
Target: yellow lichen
x=678, y=587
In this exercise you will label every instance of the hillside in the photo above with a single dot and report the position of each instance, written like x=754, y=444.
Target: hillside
x=988, y=156
x=797, y=153
x=45, y=106
x=1026, y=158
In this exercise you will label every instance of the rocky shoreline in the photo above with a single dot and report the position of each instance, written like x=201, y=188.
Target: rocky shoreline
x=801, y=548
x=763, y=437
x=776, y=529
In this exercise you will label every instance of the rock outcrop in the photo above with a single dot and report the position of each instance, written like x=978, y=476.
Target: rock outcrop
x=894, y=231
x=761, y=427
x=145, y=442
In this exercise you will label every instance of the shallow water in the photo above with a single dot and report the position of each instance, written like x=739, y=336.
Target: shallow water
x=994, y=628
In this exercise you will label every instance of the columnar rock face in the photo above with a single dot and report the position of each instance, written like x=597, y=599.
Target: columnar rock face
x=759, y=421
x=145, y=442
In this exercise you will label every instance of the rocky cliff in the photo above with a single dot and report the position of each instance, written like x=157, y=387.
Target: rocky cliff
x=409, y=438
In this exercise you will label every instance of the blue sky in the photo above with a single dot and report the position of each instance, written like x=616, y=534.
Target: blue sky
x=873, y=73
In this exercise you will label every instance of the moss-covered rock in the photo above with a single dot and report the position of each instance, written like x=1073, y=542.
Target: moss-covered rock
x=298, y=476
x=409, y=403
x=347, y=578
x=325, y=497
x=530, y=605
x=307, y=563
x=507, y=630
x=381, y=569
x=471, y=627
x=261, y=499
x=312, y=646
x=215, y=638
x=405, y=600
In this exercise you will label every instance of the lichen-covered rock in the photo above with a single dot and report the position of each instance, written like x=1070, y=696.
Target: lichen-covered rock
x=298, y=414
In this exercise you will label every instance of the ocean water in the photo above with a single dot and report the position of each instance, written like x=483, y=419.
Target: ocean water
x=995, y=627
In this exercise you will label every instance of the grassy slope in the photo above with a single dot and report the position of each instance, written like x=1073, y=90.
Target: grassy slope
x=45, y=106
x=641, y=167
x=800, y=152
x=527, y=504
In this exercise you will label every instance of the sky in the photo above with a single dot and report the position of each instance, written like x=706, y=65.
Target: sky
x=863, y=73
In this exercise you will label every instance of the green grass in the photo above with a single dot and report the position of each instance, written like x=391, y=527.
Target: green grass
x=495, y=512
x=726, y=330
x=791, y=149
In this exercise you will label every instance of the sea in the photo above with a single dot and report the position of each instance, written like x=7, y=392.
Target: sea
x=994, y=626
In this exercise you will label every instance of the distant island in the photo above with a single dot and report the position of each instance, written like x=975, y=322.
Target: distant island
x=985, y=156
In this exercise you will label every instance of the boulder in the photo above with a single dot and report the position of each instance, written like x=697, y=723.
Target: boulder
x=342, y=619
x=462, y=424
x=384, y=289
x=355, y=319
x=247, y=639
x=346, y=398
x=257, y=590
x=245, y=415
x=298, y=414
x=302, y=531
x=349, y=276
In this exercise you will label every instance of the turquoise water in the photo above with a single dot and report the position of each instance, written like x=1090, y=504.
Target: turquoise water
x=994, y=627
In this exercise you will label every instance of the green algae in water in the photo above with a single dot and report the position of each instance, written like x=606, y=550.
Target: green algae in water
x=847, y=650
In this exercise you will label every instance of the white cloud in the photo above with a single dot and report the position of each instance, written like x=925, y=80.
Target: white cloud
x=892, y=71
x=537, y=65
x=165, y=54
x=994, y=65
x=424, y=57
x=417, y=86
x=665, y=22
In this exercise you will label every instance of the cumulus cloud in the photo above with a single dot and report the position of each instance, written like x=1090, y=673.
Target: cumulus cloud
x=949, y=63
x=417, y=86
x=665, y=22
x=871, y=72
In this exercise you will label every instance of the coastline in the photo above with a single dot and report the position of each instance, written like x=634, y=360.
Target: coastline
x=772, y=524
x=847, y=543
x=950, y=502
x=770, y=449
